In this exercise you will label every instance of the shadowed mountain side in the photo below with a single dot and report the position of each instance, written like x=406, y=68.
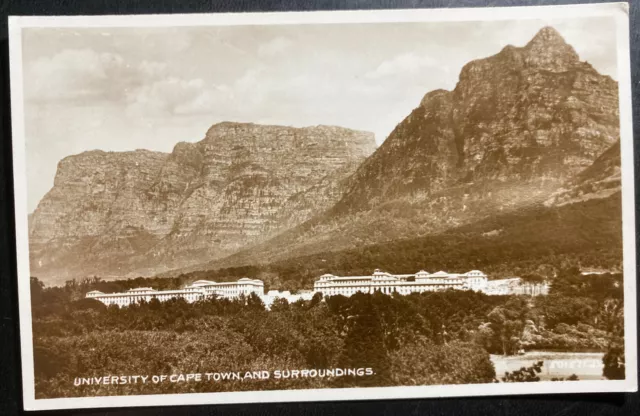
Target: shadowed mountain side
x=516, y=130
x=600, y=180
x=536, y=240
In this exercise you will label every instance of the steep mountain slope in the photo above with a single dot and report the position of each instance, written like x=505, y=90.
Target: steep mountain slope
x=599, y=180
x=123, y=213
x=518, y=126
x=536, y=240
x=525, y=114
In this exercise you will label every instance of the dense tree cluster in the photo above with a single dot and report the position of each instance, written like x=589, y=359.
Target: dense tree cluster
x=524, y=374
x=429, y=338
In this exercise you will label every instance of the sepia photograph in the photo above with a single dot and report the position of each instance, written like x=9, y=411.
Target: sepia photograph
x=304, y=206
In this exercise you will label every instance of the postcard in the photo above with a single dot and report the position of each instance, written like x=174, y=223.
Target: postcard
x=310, y=206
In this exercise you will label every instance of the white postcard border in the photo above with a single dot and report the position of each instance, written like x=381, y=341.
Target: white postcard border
x=617, y=10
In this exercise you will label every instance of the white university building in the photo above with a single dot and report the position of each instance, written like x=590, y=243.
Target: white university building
x=403, y=284
x=329, y=285
x=198, y=290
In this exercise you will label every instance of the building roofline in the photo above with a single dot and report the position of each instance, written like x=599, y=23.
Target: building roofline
x=155, y=293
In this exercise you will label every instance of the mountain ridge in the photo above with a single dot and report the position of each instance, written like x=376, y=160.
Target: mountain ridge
x=530, y=127
x=118, y=213
x=516, y=129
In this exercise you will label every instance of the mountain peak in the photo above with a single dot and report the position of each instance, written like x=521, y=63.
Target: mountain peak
x=550, y=51
x=547, y=36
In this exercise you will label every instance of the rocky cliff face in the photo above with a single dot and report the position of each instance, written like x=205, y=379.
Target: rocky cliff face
x=600, y=180
x=141, y=212
x=518, y=128
x=535, y=113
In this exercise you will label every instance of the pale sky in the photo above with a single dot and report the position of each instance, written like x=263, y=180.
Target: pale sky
x=122, y=89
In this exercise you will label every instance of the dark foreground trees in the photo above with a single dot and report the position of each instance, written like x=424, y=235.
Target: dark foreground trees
x=425, y=363
x=430, y=338
x=383, y=334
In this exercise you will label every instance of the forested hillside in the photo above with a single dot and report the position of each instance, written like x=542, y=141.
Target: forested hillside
x=533, y=241
x=420, y=339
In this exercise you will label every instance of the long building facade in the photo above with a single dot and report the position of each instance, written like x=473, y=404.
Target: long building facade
x=196, y=291
x=200, y=290
x=329, y=285
x=403, y=284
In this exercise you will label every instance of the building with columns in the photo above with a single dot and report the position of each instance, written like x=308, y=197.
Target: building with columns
x=198, y=290
x=330, y=285
x=404, y=284
x=244, y=286
x=140, y=294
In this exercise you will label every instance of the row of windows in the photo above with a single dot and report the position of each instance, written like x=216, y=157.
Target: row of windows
x=387, y=289
x=189, y=296
x=430, y=280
